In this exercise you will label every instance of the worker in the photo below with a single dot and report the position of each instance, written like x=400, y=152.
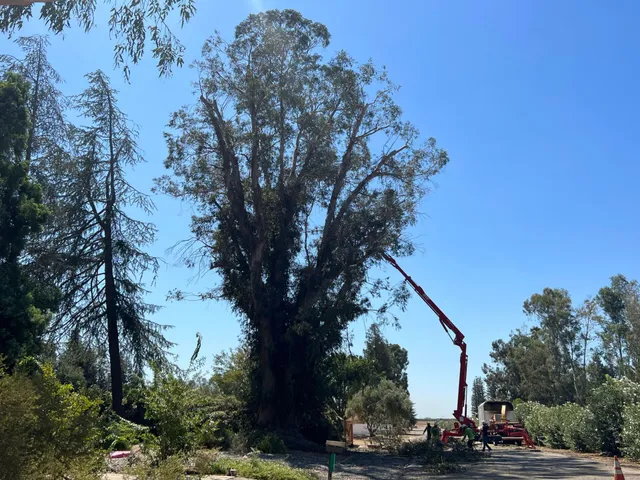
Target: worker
x=427, y=430
x=470, y=435
x=485, y=436
x=435, y=432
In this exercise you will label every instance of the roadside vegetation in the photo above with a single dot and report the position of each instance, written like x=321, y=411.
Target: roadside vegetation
x=575, y=370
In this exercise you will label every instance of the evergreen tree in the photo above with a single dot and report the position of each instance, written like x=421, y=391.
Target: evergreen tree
x=104, y=293
x=24, y=306
x=477, y=395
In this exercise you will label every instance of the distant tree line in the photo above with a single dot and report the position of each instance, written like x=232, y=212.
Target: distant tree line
x=570, y=349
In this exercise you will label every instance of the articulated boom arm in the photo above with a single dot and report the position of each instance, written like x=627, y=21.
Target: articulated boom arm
x=458, y=339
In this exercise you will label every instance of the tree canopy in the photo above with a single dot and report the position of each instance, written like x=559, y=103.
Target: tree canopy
x=302, y=172
x=570, y=348
x=24, y=306
x=132, y=24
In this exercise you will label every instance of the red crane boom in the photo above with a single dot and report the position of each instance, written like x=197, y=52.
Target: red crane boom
x=458, y=339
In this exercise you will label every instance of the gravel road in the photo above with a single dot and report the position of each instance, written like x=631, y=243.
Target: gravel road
x=504, y=463
x=510, y=464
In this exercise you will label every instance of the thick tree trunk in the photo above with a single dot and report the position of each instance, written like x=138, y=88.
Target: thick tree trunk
x=112, y=325
x=267, y=412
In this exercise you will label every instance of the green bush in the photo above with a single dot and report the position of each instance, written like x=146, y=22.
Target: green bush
x=524, y=410
x=173, y=406
x=121, y=434
x=46, y=429
x=221, y=419
x=240, y=443
x=553, y=428
x=271, y=443
x=578, y=427
x=533, y=416
x=630, y=437
x=184, y=416
x=607, y=405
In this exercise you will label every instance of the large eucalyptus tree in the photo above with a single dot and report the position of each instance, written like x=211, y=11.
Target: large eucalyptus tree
x=302, y=172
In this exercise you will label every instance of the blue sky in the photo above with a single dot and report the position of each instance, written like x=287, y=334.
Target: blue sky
x=537, y=104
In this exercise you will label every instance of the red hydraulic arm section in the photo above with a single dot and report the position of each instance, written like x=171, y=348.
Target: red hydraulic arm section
x=458, y=339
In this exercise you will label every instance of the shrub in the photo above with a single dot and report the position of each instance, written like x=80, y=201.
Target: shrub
x=240, y=443
x=184, y=415
x=544, y=424
x=630, y=438
x=532, y=414
x=174, y=408
x=46, y=429
x=578, y=427
x=552, y=427
x=271, y=443
x=607, y=405
x=121, y=434
x=18, y=421
x=524, y=410
x=221, y=415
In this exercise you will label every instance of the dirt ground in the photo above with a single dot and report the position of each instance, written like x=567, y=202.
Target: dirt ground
x=503, y=463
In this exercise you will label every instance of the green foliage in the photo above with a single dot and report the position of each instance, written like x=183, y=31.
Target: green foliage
x=578, y=428
x=82, y=365
x=543, y=423
x=630, y=438
x=185, y=415
x=271, y=443
x=18, y=421
x=121, y=434
x=570, y=350
x=384, y=407
x=608, y=403
x=23, y=303
x=176, y=410
x=388, y=360
x=296, y=191
x=130, y=23
x=584, y=429
x=256, y=469
x=528, y=414
x=477, y=395
x=50, y=430
x=620, y=325
x=543, y=364
x=232, y=373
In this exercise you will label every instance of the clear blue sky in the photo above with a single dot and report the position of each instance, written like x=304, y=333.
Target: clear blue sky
x=537, y=104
